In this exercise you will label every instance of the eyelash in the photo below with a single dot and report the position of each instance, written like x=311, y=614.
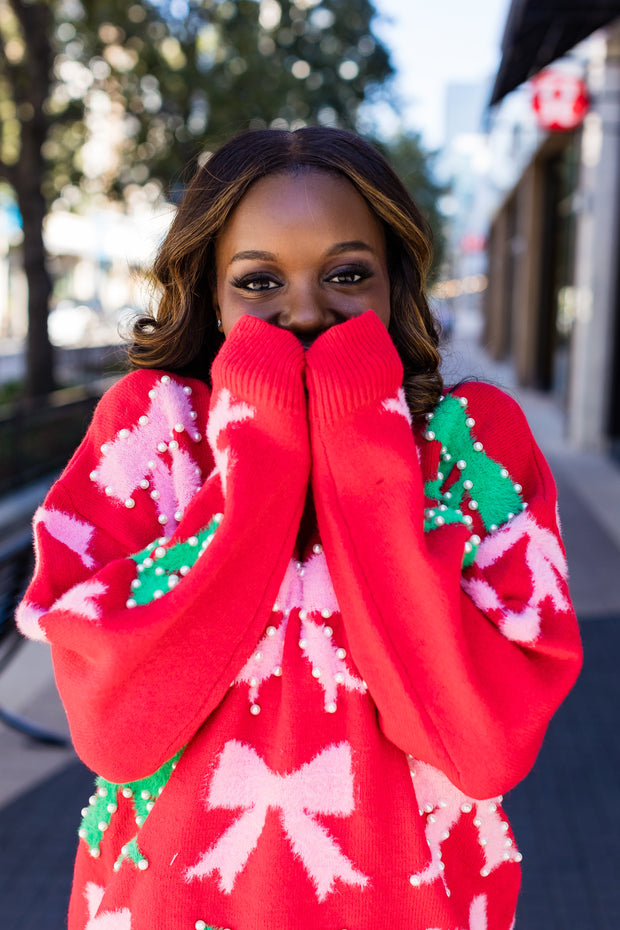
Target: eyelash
x=245, y=282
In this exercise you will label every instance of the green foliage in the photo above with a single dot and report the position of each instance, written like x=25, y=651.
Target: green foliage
x=414, y=165
x=138, y=91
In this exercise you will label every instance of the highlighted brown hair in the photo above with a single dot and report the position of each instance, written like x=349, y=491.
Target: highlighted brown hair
x=182, y=335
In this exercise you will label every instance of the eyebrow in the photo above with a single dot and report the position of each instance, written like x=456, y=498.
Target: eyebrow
x=356, y=245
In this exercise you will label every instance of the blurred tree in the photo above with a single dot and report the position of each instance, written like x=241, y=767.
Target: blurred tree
x=414, y=165
x=100, y=97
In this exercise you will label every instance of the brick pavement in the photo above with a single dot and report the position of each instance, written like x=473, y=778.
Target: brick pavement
x=566, y=814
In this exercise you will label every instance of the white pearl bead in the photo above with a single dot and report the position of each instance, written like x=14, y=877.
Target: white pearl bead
x=473, y=505
x=484, y=872
x=475, y=539
x=439, y=521
x=124, y=433
x=271, y=631
x=148, y=562
x=178, y=427
x=504, y=472
x=478, y=446
x=327, y=631
x=127, y=793
x=277, y=671
x=339, y=678
x=93, y=476
x=162, y=518
x=155, y=495
x=326, y=614
x=95, y=853
x=468, y=484
x=461, y=464
x=316, y=673
x=144, y=484
x=112, y=808
x=109, y=490
x=197, y=437
x=470, y=422
x=466, y=808
x=341, y=653
x=143, y=420
x=131, y=602
x=187, y=389
x=173, y=445
x=463, y=401
x=303, y=614
x=429, y=434
x=193, y=415
x=331, y=708
x=162, y=447
x=157, y=594
x=317, y=548
x=173, y=580
x=200, y=925
x=152, y=393
x=258, y=656
x=151, y=464
x=255, y=709
x=415, y=880
x=159, y=570
x=218, y=517
x=159, y=552
x=184, y=569
x=143, y=864
x=165, y=379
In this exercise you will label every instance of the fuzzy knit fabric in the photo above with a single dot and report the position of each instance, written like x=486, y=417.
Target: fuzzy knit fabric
x=294, y=738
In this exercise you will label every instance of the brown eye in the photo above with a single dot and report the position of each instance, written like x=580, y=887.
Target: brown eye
x=256, y=283
x=350, y=275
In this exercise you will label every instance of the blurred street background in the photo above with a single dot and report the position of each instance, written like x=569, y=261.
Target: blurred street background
x=503, y=119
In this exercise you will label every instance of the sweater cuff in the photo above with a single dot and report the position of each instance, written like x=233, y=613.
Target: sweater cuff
x=261, y=363
x=351, y=365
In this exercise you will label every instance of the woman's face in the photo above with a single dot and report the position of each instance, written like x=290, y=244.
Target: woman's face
x=303, y=252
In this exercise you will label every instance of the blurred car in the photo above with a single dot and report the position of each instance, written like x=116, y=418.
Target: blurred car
x=71, y=323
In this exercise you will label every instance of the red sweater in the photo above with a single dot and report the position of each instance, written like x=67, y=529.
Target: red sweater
x=300, y=739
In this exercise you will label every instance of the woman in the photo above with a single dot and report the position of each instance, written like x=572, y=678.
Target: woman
x=307, y=655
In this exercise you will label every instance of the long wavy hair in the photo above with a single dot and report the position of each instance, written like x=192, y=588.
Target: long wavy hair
x=182, y=335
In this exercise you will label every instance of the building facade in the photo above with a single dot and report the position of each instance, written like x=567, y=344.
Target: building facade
x=553, y=301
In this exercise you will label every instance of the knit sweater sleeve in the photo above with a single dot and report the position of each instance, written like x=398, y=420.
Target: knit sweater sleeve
x=145, y=643
x=466, y=668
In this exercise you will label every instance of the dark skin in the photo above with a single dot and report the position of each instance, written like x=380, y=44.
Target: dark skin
x=303, y=252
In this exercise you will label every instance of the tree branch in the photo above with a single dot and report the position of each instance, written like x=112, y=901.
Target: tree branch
x=8, y=173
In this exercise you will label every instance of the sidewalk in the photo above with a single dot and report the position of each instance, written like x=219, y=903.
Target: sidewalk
x=566, y=815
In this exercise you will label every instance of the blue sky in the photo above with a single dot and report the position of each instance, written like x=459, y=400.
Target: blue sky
x=437, y=42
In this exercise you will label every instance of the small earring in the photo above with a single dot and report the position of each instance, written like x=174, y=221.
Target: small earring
x=219, y=323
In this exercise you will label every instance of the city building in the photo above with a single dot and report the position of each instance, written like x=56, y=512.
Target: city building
x=553, y=300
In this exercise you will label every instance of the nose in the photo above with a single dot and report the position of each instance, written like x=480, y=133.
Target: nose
x=305, y=312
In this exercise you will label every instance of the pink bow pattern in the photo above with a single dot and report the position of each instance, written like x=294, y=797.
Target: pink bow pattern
x=322, y=786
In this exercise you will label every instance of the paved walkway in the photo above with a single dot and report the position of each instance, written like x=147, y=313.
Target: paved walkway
x=566, y=815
